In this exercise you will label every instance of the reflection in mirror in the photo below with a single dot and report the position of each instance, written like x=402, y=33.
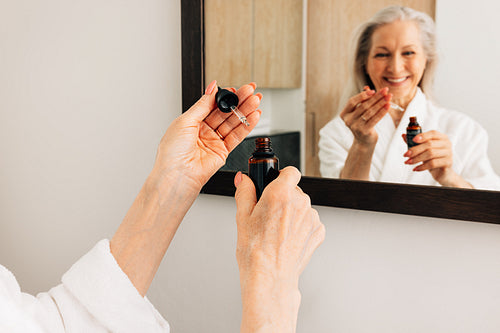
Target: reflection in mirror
x=305, y=107
x=391, y=74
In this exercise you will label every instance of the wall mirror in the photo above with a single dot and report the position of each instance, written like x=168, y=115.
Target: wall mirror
x=462, y=204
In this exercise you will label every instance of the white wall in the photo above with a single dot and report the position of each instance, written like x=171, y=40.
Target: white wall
x=467, y=78
x=87, y=89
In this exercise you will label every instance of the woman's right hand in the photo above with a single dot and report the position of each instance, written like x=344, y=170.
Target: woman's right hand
x=276, y=238
x=363, y=111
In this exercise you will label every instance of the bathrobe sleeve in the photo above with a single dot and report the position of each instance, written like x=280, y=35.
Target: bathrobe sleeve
x=95, y=296
x=335, y=140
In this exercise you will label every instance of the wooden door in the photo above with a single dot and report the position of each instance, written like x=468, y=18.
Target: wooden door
x=330, y=24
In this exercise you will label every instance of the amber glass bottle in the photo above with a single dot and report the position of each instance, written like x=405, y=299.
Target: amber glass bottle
x=263, y=165
x=412, y=131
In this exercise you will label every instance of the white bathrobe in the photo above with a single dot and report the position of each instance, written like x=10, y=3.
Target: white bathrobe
x=95, y=296
x=469, y=146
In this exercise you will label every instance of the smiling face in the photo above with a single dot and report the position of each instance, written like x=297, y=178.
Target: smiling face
x=397, y=60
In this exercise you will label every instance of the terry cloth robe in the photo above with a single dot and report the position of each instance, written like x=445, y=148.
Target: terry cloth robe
x=469, y=146
x=95, y=296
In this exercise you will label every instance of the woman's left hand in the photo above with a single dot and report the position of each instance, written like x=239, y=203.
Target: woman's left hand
x=192, y=150
x=434, y=152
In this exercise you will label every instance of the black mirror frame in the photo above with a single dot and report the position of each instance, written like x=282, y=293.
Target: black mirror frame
x=432, y=201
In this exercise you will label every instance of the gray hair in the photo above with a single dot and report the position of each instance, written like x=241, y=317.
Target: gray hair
x=362, y=45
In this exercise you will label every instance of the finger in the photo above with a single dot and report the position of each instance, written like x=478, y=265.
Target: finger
x=429, y=155
x=382, y=103
x=430, y=135
x=245, y=196
x=428, y=145
x=217, y=117
x=354, y=101
x=241, y=131
x=233, y=121
x=379, y=97
x=433, y=164
x=372, y=102
x=288, y=176
x=245, y=91
x=404, y=138
x=213, y=141
x=378, y=116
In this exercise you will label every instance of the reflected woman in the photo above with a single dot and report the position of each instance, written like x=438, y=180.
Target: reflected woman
x=394, y=63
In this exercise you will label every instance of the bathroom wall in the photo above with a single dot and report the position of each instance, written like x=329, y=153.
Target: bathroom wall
x=87, y=90
x=469, y=44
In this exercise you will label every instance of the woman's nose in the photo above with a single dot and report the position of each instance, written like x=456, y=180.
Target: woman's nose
x=396, y=64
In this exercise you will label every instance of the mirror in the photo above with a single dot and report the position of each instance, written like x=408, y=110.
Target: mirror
x=270, y=52
x=470, y=205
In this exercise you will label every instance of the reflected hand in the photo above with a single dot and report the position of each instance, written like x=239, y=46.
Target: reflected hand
x=434, y=152
x=276, y=238
x=363, y=111
x=191, y=150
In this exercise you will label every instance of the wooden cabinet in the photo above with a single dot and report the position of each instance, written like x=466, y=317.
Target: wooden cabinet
x=254, y=41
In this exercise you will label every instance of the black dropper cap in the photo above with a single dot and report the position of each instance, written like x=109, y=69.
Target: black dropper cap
x=226, y=99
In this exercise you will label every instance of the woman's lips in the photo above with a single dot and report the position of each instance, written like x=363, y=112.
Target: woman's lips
x=394, y=80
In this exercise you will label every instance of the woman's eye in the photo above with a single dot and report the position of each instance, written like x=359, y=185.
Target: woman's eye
x=408, y=53
x=381, y=55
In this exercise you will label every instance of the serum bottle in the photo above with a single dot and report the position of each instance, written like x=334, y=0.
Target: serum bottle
x=412, y=131
x=263, y=165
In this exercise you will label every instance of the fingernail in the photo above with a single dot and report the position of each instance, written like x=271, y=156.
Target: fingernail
x=370, y=92
x=388, y=97
x=408, y=153
x=409, y=161
x=237, y=179
x=259, y=95
x=418, y=138
x=210, y=87
x=384, y=90
x=253, y=84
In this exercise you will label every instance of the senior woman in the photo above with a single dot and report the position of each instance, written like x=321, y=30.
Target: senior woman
x=394, y=63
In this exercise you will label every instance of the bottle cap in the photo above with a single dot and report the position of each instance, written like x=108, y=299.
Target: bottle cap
x=226, y=100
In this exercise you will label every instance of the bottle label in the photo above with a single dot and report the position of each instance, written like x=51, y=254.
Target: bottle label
x=410, y=134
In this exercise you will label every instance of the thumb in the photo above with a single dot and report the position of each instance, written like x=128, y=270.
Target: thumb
x=404, y=137
x=202, y=108
x=245, y=196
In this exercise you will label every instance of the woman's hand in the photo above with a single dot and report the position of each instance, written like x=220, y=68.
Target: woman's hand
x=434, y=152
x=276, y=238
x=363, y=111
x=361, y=114
x=192, y=150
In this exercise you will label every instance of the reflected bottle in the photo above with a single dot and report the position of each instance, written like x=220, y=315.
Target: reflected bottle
x=412, y=131
x=263, y=165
